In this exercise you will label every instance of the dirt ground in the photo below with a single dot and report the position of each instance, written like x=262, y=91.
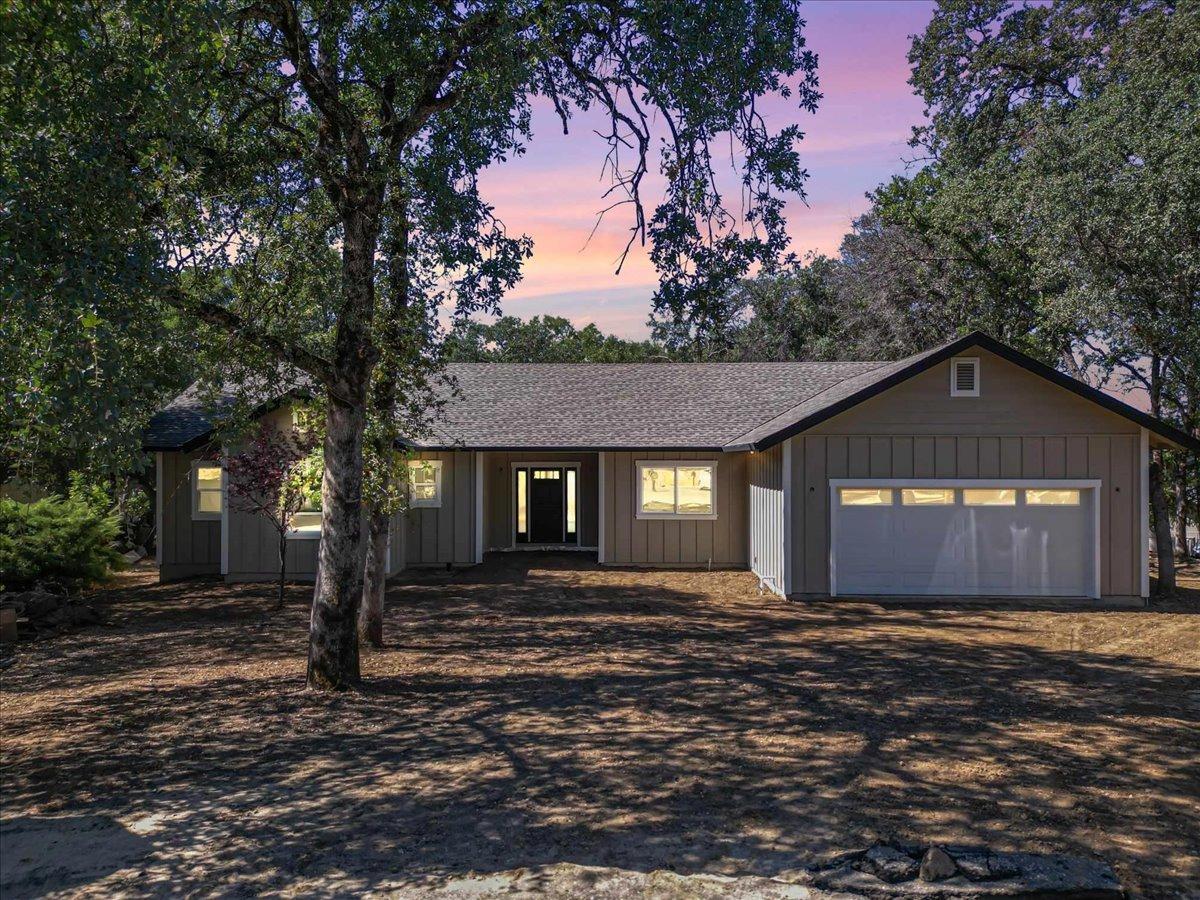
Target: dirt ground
x=538, y=710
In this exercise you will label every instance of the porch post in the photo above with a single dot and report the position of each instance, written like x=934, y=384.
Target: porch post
x=787, y=517
x=480, y=460
x=600, y=510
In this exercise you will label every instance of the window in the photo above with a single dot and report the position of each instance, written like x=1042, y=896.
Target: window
x=865, y=496
x=571, y=510
x=206, y=490
x=927, y=497
x=669, y=490
x=305, y=524
x=964, y=376
x=425, y=482
x=990, y=497
x=1051, y=497
x=522, y=504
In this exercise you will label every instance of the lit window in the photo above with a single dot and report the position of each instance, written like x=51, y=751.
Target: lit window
x=927, y=497
x=522, y=504
x=571, y=476
x=306, y=523
x=866, y=496
x=1052, y=497
x=990, y=497
x=206, y=490
x=425, y=482
x=676, y=490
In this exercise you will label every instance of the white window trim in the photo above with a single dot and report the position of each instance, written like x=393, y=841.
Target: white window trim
x=675, y=516
x=1083, y=484
x=436, y=502
x=197, y=514
x=954, y=364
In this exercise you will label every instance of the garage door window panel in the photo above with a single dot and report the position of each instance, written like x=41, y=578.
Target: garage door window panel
x=1052, y=497
x=866, y=496
x=927, y=497
x=990, y=497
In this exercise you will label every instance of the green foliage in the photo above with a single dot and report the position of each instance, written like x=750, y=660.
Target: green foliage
x=85, y=491
x=543, y=339
x=55, y=539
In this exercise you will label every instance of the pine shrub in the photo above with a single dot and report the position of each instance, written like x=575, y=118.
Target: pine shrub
x=55, y=540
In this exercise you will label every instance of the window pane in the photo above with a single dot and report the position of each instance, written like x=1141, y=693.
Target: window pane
x=1048, y=497
x=866, y=496
x=424, y=491
x=422, y=473
x=570, y=501
x=210, y=501
x=522, y=491
x=695, y=489
x=306, y=521
x=658, y=489
x=927, y=496
x=990, y=497
x=208, y=478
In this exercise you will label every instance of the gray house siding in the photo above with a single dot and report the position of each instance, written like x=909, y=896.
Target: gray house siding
x=1021, y=426
x=628, y=540
x=767, y=517
x=445, y=535
x=187, y=547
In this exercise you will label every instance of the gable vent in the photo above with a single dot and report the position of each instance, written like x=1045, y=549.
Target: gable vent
x=964, y=377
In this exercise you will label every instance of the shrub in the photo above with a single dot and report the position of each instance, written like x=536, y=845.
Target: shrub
x=55, y=539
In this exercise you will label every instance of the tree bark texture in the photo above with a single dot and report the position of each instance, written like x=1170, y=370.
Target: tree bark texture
x=394, y=305
x=1162, y=529
x=370, y=616
x=333, y=659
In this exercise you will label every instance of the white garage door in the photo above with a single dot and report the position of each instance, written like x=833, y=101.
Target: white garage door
x=967, y=538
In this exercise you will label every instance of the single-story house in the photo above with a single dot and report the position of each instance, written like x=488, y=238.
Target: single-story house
x=969, y=469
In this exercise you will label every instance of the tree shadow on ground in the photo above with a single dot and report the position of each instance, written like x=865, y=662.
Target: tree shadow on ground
x=537, y=710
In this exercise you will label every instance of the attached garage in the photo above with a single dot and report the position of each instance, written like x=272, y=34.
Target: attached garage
x=988, y=538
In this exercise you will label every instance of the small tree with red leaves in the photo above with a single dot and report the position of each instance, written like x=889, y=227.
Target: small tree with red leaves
x=270, y=477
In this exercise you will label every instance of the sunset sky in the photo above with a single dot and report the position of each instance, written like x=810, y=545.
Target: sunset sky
x=857, y=139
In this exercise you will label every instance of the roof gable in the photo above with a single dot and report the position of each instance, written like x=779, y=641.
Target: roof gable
x=841, y=398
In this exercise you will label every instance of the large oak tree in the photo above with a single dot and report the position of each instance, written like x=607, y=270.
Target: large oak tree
x=264, y=170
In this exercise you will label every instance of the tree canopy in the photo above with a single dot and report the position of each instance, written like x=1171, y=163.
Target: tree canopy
x=279, y=174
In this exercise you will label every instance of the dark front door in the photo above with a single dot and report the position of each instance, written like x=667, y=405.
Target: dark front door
x=547, y=508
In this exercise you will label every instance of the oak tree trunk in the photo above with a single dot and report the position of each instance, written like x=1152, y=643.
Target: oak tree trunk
x=1181, y=512
x=370, y=616
x=394, y=305
x=333, y=662
x=1162, y=529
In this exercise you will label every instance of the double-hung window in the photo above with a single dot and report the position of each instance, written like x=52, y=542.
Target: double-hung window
x=206, y=490
x=425, y=482
x=676, y=490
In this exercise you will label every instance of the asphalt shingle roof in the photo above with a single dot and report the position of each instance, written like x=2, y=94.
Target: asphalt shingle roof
x=613, y=406
x=619, y=405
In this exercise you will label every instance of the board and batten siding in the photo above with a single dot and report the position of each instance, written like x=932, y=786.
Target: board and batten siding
x=628, y=540
x=254, y=551
x=1021, y=426
x=188, y=548
x=766, y=517
x=445, y=535
x=499, y=491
